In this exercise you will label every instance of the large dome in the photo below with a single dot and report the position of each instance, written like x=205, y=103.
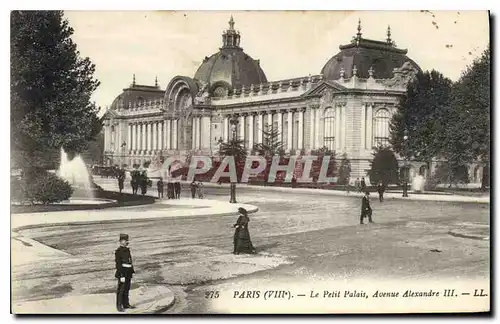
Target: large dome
x=231, y=66
x=378, y=56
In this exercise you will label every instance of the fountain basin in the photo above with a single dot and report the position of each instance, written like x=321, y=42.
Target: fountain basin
x=85, y=201
x=108, y=199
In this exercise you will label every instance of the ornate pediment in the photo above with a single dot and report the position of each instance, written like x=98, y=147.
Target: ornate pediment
x=327, y=88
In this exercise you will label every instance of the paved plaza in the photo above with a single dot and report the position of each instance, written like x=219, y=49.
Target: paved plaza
x=298, y=236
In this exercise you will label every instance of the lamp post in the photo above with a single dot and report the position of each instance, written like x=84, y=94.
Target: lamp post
x=407, y=170
x=234, y=124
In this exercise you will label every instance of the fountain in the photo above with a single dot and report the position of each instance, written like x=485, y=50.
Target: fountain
x=75, y=172
x=417, y=184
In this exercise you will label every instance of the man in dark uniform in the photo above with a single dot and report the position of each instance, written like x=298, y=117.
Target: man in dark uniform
x=124, y=272
x=366, y=209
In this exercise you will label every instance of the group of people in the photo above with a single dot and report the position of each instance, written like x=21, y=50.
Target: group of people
x=196, y=189
x=173, y=189
x=139, y=180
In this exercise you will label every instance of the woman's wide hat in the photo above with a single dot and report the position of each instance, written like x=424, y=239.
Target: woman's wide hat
x=242, y=210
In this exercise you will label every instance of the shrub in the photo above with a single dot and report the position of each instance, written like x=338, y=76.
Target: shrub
x=42, y=187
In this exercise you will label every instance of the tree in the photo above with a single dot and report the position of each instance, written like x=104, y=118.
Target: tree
x=422, y=113
x=321, y=153
x=50, y=87
x=236, y=148
x=467, y=138
x=384, y=167
x=344, y=170
x=271, y=144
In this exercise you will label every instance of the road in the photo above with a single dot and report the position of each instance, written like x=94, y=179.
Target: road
x=298, y=238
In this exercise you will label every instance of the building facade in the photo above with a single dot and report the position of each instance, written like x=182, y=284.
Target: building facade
x=346, y=108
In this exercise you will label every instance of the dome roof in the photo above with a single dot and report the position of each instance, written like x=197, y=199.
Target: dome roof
x=381, y=57
x=137, y=93
x=231, y=65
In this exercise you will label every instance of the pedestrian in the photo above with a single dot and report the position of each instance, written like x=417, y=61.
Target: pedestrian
x=200, y=190
x=144, y=183
x=159, y=186
x=366, y=209
x=124, y=272
x=121, y=181
x=380, y=190
x=241, y=240
x=177, y=189
x=363, y=184
x=193, y=187
x=170, y=190
x=356, y=184
x=133, y=183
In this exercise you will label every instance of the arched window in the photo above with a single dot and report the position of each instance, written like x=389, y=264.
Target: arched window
x=381, y=127
x=329, y=129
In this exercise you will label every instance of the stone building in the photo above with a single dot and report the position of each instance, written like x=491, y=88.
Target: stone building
x=346, y=108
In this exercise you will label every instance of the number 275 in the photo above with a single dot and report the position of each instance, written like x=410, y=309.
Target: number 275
x=212, y=294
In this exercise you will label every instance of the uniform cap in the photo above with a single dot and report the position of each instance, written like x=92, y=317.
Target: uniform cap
x=124, y=237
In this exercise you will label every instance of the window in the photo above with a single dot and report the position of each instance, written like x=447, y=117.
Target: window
x=381, y=127
x=329, y=127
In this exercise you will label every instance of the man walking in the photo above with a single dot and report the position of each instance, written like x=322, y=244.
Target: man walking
x=124, y=272
x=121, y=181
x=177, y=189
x=380, y=190
x=159, y=186
x=193, y=187
x=363, y=184
x=366, y=209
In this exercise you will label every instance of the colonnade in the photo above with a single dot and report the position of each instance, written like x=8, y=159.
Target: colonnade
x=150, y=136
x=252, y=125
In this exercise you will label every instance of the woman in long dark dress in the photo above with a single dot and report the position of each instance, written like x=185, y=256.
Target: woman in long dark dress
x=242, y=242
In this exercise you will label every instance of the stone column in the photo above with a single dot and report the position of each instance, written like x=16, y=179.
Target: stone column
x=241, y=125
x=369, y=127
x=317, y=127
x=205, y=132
x=174, y=134
x=129, y=137
x=300, y=132
x=154, y=131
x=143, y=137
x=193, y=135
x=250, y=131
x=168, y=134
x=261, y=128
x=198, y=132
x=338, y=116
x=132, y=137
x=363, y=125
x=343, y=132
x=226, y=129
x=161, y=145
x=148, y=134
x=280, y=126
x=270, y=118
x=311, y=127
x=289, y=135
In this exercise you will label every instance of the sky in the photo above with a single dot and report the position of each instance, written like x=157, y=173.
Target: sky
x=289, y=44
